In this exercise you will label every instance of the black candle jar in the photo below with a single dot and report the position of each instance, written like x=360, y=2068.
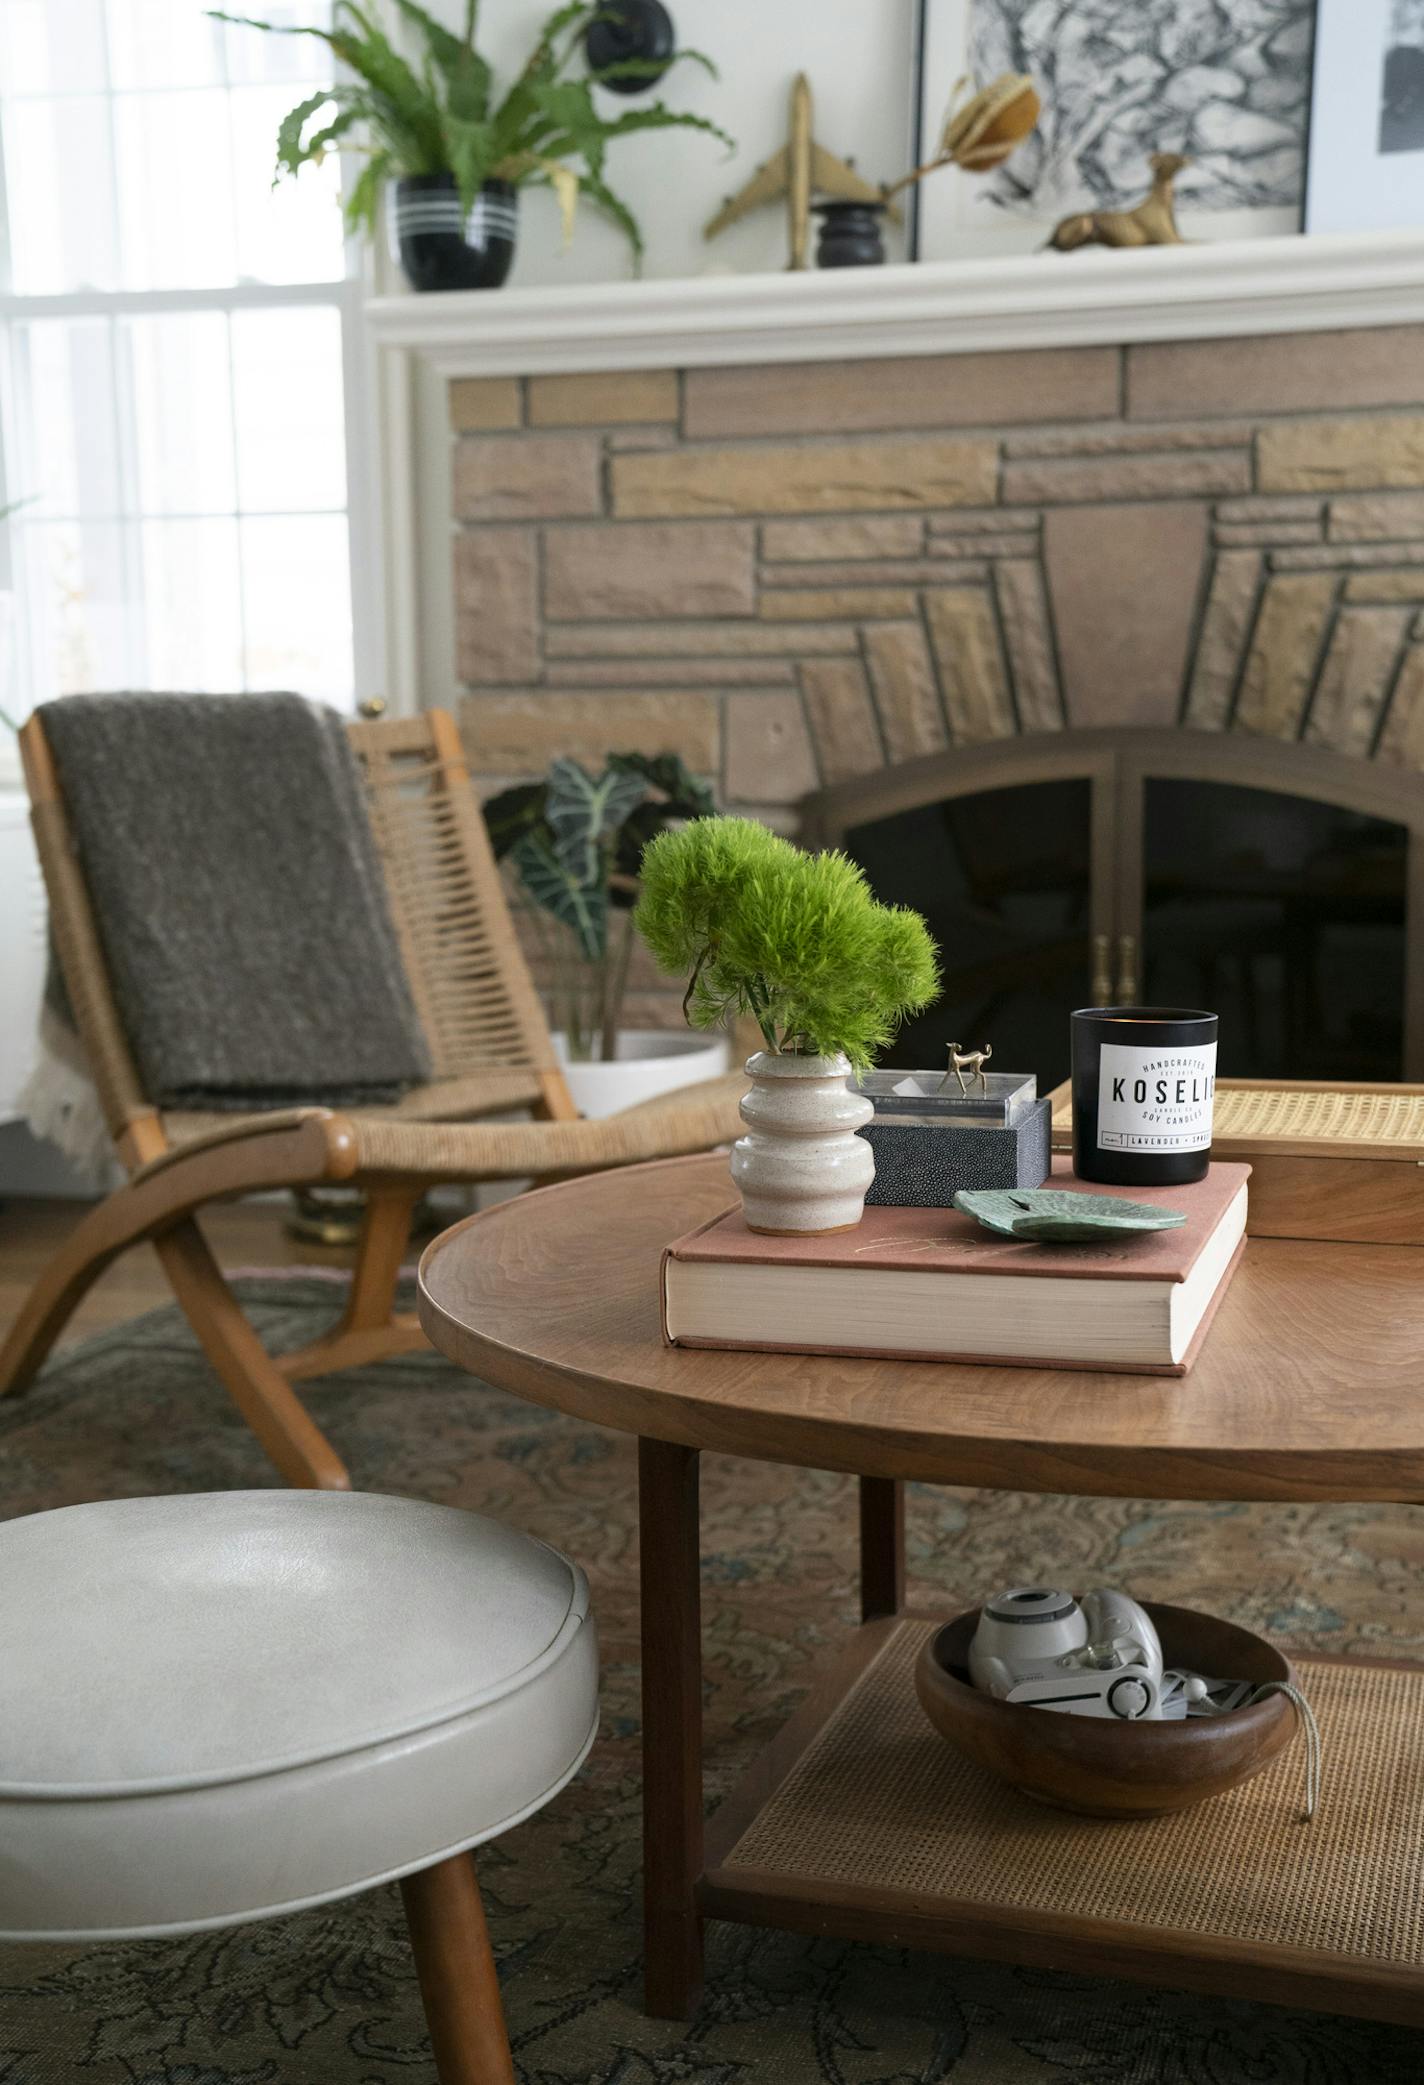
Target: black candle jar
x=1143, y=1082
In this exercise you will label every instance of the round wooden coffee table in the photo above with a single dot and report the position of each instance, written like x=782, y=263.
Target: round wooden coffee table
x=1308, y=1387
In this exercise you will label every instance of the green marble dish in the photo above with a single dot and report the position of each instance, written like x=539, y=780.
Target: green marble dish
x=1058, y=1216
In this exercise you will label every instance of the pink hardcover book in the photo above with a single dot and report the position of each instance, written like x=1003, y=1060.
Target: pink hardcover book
x=932, y=1285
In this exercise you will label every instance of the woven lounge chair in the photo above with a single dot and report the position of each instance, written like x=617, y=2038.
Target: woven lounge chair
x=491, y=1053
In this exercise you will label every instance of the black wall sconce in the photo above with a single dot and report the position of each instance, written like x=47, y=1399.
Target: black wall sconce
x=640, y=30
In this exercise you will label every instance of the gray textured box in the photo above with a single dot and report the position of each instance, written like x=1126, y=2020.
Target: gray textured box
x=919, y=1167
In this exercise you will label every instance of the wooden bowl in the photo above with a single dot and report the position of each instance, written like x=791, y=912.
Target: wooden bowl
x=1101, y=1767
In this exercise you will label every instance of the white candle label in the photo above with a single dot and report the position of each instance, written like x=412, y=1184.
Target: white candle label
x=1155, y=1100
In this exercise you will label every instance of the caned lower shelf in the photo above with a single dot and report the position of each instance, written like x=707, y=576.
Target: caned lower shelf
x=863, y=1822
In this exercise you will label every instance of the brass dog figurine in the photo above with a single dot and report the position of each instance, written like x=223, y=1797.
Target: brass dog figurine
x=1152, y=222
x=971, y=1061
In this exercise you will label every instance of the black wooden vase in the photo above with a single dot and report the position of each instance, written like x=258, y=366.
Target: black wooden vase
x=850, y=235
x=441, y=247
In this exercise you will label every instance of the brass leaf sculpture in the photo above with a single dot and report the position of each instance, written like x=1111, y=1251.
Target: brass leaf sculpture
x=1152, y=222
x=979, y=134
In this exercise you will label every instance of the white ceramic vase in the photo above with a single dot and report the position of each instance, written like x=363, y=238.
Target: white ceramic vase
x=801, y=1167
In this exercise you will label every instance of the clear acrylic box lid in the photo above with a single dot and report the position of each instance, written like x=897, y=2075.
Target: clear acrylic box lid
x=998, y=1100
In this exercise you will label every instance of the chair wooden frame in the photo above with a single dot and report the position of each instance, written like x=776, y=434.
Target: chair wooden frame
x=491, y=1053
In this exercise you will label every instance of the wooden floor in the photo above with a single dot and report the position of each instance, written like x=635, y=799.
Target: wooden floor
x=242, y=1234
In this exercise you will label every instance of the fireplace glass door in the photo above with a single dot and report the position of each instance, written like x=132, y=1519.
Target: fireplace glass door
x=1268, y=882
x=1284, y=915
x=1003, y=878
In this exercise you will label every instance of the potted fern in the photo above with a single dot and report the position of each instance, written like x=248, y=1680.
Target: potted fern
x=573, y=845
x=798, y=942
x=456, y=153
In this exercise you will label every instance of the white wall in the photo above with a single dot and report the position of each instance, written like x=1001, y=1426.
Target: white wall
x=858, y=55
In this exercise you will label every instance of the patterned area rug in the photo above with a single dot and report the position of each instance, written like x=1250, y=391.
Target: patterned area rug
x=329, y=1998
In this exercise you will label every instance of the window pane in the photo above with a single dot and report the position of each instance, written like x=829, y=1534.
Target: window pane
x=192, y=606
x=253, y=57
x=296, y=580
x=182, y=413
x=60, y=182
x=290, y=424
x=68, y=454
x=80, y=634
x=291, y=232
x=52, y=46
x=164, y=43
x=175, y=190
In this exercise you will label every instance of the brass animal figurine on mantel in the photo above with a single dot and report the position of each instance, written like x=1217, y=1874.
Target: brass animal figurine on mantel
x=1152, y=222
x=797, y=171
x=971, y=1061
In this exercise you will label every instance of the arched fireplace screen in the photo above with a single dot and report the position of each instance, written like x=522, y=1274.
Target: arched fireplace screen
x=1281, y=886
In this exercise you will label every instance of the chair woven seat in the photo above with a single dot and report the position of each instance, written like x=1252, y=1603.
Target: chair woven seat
x=488, y=1091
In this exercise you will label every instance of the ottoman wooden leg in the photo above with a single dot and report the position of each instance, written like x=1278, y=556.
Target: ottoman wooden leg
x=458, y=1981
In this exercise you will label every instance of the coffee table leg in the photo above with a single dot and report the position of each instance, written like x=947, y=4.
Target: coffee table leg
x=672, y=1728
x=882, y=1547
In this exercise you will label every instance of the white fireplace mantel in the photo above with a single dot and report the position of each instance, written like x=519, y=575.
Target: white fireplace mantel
x=1244, y=286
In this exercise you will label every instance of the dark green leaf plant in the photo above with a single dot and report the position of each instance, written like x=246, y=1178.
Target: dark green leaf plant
x=574, y=845
x=797, y=940
x=441, y=113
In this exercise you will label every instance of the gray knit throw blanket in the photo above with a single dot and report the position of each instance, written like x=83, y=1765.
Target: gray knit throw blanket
x=238, y=898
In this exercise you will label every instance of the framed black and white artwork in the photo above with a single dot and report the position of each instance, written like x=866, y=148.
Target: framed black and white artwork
x=1226, y=82
x=1367, y=117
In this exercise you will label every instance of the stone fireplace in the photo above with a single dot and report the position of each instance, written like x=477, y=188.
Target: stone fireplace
x=823, y=576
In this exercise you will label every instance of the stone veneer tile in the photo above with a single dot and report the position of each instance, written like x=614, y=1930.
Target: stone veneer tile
x=1275, y=506
x=1164, y=475
x=906, y=695
x=669, y=673
x=1124, y=582
x=1376, y=517
x=971, y=664
x=1023, y=613
x=683, y=640
x=932, y=472
x=653, y=569
x=480, y=402
x=603, y=398
x=1239, y=535
x=1339, y=557
x=837, y=699
x=889, y=571
x=520, y=734
x=1402, y=740
x=1275, y=373
x=857, y=536
x=1115, y=439
x=1226, y=625
x=768, y=749
x=982, y=546
x=1285, y=647
x=526, y=476
x=1341, y=455
x=974, y=390
x=1354, y=681
x=496, y=605
x=990, y=520
x=1385, y=586
x=815, y=604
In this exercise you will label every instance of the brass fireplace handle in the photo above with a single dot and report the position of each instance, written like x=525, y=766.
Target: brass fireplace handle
x=1126, y=970
x=1101, y=986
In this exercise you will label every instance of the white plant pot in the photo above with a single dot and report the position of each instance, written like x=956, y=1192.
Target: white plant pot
x=650, y=1061
x=801, y=1167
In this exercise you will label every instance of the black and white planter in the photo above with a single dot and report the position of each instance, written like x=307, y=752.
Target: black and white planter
x=440, y=246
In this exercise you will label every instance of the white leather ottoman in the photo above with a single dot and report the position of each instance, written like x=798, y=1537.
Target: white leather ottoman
x=225, y=1707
